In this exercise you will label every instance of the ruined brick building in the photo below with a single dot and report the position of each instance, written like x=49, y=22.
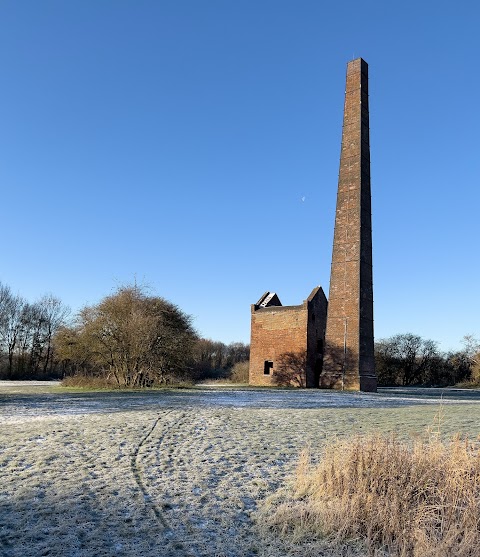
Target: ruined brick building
x=336, y=339
x=278, y=330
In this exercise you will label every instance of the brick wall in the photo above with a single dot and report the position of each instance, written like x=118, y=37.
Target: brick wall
x=275, y=330
x=279, y=329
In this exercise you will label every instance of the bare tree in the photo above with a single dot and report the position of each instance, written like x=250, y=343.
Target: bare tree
x=406, y=359
x=471, y=350
x=29, y=349
x=209, y=356
x=215, y=359
x=11, y=310
x=237, y=352
x=52, y=314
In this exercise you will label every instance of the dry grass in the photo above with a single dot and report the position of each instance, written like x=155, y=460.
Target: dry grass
x=94, y=383
x=240, y=373
x=89, y=382
x=418, y=499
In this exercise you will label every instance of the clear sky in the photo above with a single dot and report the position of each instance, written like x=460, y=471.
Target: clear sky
x=194, y=145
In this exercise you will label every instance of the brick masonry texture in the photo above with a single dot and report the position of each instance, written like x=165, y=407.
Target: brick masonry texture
x=278, y=329
x=349, y=349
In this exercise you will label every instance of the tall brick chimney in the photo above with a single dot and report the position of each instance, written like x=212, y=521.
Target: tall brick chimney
x=349, y=355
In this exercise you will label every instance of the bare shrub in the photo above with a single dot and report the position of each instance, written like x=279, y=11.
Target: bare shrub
x=476, y=370
x=138, y=339
x=411, y=500
x=240, y=372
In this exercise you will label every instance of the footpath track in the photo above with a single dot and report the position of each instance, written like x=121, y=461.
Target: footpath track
x=174, y=545
x=138, y=475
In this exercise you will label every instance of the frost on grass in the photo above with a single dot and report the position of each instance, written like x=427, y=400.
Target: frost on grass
x=169, y=478
x=71, y=487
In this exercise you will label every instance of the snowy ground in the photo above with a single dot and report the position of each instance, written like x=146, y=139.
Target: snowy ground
x=175, y=473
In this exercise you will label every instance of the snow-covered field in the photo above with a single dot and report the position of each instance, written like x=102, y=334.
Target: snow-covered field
x=175, y=473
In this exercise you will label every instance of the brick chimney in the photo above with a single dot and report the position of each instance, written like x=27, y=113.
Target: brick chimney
x=349, y=351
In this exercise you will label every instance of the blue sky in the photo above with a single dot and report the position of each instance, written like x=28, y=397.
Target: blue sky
x=172, y=142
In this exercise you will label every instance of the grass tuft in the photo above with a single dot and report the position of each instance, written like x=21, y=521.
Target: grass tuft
x=417, y=499
x=89, y=382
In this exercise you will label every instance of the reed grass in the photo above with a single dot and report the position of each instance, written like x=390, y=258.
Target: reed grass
x=405, y=499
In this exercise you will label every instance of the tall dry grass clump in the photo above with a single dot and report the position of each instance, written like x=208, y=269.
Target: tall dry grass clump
x=240, y=372
x=89, y=382
x=417, y=499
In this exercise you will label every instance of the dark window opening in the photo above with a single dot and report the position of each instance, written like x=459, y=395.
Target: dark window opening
x=313, y=317
x=320, y=346
x=267, y=366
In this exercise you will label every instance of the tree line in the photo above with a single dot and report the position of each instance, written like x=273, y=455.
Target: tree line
x=129, y=339
x=408, y=359
x=134, y=339
x=402, y=360
x=27, y=332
